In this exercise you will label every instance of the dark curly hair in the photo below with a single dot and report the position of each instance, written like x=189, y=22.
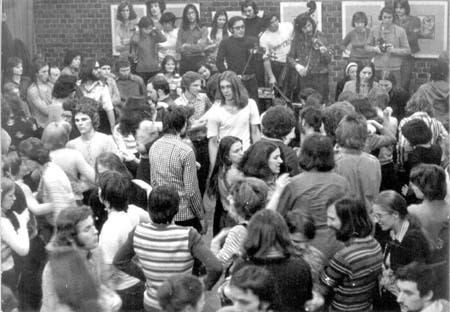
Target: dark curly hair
x=278, y=122
x=255, y=160
x=88, y=107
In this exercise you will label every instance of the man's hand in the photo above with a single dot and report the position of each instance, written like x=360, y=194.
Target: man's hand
x=301, y=70
x=323, y=50
x=272, y=80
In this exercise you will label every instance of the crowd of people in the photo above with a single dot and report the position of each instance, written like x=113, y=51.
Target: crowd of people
x=112, y=170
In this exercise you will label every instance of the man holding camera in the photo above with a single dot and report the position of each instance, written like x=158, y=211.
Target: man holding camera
x=389, y=44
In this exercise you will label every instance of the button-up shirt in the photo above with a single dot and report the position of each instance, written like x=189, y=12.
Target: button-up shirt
x=172, y=162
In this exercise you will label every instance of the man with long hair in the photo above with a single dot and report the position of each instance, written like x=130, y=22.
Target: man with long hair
x=351, y=276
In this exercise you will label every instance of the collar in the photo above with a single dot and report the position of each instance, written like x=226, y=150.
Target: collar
x=92, y=86
x=401, y=234
x=186, y=100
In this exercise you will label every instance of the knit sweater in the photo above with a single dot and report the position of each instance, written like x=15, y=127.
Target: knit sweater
x=352, y=275
x=163, y=251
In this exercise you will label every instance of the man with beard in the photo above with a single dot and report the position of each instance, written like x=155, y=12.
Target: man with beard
x=416, y=286
x=309, y=56
x=93, y=88
x=129, y=85
x=352, y=273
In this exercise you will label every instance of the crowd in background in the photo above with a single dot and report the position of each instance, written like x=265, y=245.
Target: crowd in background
x=113, y=168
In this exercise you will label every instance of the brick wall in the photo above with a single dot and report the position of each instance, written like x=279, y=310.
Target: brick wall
x=86, y=25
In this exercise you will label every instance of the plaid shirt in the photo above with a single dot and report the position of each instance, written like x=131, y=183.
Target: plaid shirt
x=172, y=162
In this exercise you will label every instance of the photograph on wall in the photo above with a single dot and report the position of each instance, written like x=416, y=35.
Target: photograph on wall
x=290, y=10
x=230, y=14
x=434, y=29
x=371, y=8
x=117, y=26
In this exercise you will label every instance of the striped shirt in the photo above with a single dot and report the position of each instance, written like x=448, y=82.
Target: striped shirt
x=352, y=275
x=172, y=162
x=162, y=252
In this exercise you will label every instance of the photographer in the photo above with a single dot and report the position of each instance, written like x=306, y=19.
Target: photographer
x=389, y=44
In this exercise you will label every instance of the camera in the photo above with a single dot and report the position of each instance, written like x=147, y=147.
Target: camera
x=383, y=45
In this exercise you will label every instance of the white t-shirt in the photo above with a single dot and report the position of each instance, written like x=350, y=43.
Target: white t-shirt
x=277, y=43
x=114, y=234
x=223, y=123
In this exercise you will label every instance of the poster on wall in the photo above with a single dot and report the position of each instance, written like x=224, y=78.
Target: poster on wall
x=371, y=8
x=230, y=14
x=116, y=25
x=290, y=10
x=434, y=27
x=141, y=10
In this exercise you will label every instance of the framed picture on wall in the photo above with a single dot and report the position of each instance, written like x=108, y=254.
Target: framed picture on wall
x=434, y=27
x=371, y=8
x=230, y=14
x=290, y=10
x=140, y=9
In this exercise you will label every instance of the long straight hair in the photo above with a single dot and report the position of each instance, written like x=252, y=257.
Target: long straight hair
x=214, y=27
x=223, y=163
x=240, y=94
x=267, y=230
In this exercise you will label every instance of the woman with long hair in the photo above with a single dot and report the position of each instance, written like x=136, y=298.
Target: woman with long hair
x=192, y=40
x=72, y=63
x=365, y=81
x=247, y=196
x=268, y=244
x=145, y=42
x=39, y=93
x=169, y=69
x=263, y=161
x=224, y=174
x=14, y=233
x=218, y=32
x=125, y=28
x=13, y=72
x=406, y=242
x=233, y=114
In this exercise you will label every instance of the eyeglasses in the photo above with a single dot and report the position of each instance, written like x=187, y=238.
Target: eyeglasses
x=378, y=216
x=239, y=27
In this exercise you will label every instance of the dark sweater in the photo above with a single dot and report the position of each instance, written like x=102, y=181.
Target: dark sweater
x=292, y=278
x=253, y=26
x=236, y=51
x=425, y=155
